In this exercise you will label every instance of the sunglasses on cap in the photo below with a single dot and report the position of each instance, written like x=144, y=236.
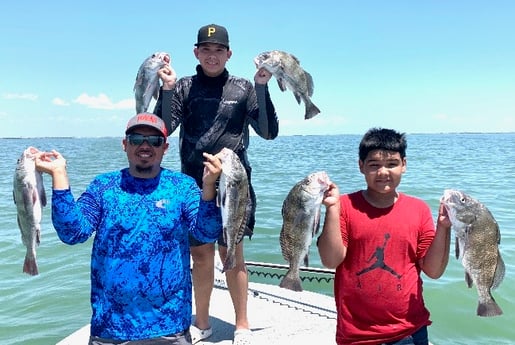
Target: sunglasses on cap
x=138, y=139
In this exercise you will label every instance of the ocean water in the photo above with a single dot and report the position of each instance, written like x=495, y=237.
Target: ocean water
x=44, y=309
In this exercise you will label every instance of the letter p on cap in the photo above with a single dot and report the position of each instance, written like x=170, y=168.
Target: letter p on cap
x=211, y=30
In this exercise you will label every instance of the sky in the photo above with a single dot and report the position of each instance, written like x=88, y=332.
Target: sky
x=68, y=68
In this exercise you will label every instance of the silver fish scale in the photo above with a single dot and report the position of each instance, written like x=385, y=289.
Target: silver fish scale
x=233, y=199
x=301, y=221
x=477, y=246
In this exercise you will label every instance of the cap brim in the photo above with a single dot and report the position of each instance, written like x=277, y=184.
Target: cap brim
x=204, y=42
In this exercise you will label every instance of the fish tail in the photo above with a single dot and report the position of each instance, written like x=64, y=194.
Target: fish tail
x=229, y=263
x=489, y=308
x=311, y=110
x=291, y=281
x=30, y=266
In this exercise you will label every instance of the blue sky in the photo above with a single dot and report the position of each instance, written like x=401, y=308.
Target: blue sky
x=68, y=68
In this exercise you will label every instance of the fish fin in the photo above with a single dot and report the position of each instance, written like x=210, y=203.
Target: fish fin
x=309, y=83
x=498, y=233
x=297, y=97
x=456, y=248
x=499, y=272
x=42, y=198
x=295, y=59
x=489, y=308
x=291, y=281
x=282, y=84
x=468, y=280
x=38, y=237
x=316, y=222
x=156, y=93
x=19, y=226
x=41, y=189
x=306, y=260
x=30, y=266
x=139, y=79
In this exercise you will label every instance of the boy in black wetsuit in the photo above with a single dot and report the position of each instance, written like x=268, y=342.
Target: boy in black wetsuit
x=214, y=110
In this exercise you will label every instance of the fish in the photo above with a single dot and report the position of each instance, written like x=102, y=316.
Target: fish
x=477, y=246
x=286, y=68
x=30, y=198
x=233, y=198
x=301, y=222
x=147, y=80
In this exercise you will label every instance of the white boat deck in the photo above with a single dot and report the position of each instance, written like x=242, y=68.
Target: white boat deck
x=276, y=316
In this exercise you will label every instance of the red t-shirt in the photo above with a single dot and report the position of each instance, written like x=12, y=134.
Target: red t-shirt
x=377, y=288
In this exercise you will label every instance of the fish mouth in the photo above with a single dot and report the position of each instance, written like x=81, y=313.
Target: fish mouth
x=448, y=196
x=166, y=58
x=324, y=181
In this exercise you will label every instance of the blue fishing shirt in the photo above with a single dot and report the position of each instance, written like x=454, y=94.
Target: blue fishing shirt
x=140, y=264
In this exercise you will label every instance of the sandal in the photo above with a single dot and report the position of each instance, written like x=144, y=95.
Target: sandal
x=198, y=334
x=242, y=337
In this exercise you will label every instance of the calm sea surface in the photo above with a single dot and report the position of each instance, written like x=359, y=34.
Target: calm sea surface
x=43, y=309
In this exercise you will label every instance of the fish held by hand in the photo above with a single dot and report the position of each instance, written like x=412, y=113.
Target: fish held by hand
x=477, y=246
x=286, y=68
x=147, y=80
x=29, y=197
x=301, y=222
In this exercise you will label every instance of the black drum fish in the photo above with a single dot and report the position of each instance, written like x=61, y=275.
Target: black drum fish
x=301, y=222
x=477, y=246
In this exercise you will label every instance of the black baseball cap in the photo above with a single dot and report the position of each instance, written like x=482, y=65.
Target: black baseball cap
x=213, y=33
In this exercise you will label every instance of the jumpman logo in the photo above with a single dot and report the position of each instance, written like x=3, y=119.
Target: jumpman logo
x=379, y=255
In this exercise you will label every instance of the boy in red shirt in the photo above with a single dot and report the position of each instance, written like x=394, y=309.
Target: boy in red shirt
x=379, y=240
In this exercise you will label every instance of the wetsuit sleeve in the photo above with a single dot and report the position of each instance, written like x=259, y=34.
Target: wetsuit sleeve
x=169, y=106
x=163, y=108
x=267, y=124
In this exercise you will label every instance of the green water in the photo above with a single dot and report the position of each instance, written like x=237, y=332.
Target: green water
x=43, y=309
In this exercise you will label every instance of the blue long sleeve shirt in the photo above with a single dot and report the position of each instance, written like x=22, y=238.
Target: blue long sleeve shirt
x=140, y=262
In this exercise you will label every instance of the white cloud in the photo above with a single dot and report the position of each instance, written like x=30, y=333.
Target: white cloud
x=60, y=102
x=25, y=96
x=103, y=102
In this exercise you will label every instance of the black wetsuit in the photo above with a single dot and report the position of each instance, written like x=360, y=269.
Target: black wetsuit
x=213, y=113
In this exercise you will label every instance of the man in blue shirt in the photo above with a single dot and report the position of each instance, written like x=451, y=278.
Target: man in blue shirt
x=142, y=217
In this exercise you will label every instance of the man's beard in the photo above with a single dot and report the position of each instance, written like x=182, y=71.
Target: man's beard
x=144, y=170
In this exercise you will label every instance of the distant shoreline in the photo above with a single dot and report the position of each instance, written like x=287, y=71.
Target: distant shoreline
x=285, y=135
